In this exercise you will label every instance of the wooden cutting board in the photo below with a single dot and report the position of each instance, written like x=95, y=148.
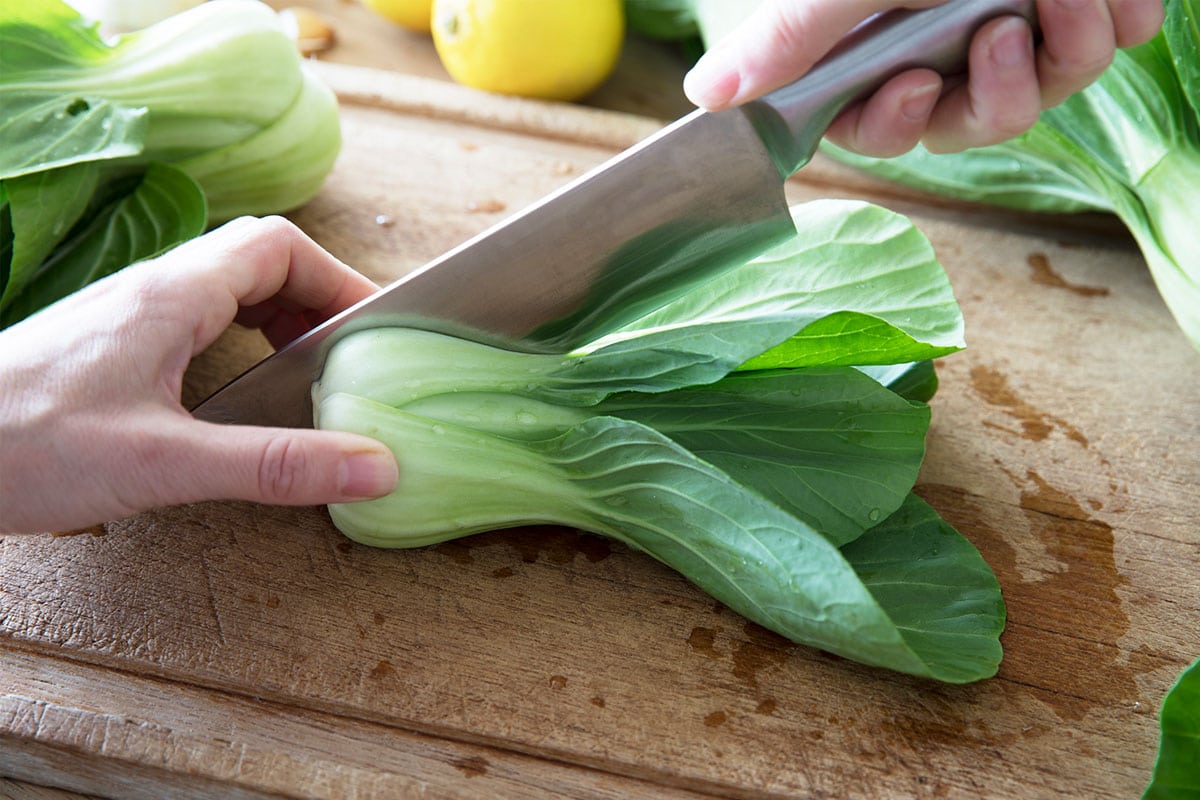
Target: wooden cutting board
x=230, y=650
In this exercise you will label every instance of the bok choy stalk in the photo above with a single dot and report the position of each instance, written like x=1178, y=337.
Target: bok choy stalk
x=724, y=428
x=113, y=151
x=1127, y=145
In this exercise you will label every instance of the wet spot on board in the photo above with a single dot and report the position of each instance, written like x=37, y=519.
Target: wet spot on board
x=598, y=702
x=715, y=719
x=767, y=707
x=992, y=387
x=560, y=545
x=383, y=669
x=702, y=640
x=761, y=649
x=457, y=550
x=558, y=682
x=1045, y=275
x=557, y=545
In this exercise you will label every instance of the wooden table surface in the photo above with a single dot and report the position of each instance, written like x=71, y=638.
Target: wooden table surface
x=231, y=650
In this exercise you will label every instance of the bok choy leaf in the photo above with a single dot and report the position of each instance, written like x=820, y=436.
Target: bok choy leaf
x=712, y=430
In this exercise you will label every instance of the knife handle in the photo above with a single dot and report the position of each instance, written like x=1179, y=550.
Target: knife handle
x=792, y=120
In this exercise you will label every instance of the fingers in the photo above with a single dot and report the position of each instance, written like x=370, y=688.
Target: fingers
x=893, y=120
x=1008, y=84
x=1001, y=97
x=1080, y=36
x=250, y=262
x=1079, y=40
x=279, y=466
x=778, y=43
x=1136, y=21
x=276, y=259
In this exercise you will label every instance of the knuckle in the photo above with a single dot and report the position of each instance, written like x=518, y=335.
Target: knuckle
x=281, y=469
x=1015, y=123
x=274, y=223
x=268, y=227
x=1085, y=66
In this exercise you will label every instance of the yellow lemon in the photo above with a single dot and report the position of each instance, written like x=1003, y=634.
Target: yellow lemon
x=411, y=14
x=550, y=49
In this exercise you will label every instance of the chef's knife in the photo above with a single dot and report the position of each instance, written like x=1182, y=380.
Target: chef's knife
x=704, y=192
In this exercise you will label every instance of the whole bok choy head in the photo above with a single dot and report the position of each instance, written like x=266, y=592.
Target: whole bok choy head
x=739, y=430
x=114, y=151
x=1128, y=145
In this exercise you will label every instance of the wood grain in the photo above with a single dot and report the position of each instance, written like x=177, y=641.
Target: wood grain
x=231, y=650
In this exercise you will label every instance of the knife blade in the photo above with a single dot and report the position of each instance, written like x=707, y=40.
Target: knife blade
x=704, y=192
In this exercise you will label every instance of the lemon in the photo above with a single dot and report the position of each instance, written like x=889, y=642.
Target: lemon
x=411, y=14
x=549, y=49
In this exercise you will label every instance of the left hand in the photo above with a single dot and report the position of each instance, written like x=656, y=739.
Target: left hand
x=90, y=414
x=1009, y=81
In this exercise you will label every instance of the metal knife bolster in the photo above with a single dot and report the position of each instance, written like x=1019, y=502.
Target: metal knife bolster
x=792, y=120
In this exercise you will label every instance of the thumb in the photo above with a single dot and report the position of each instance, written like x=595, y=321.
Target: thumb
x=285, y=466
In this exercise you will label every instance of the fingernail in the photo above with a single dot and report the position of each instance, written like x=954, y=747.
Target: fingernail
x=1012, y=44
x=917, y=106
x=710, y=84
x=367, y=474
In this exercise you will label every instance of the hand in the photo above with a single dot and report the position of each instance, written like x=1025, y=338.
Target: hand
x=1009, y=80
x=90, y=415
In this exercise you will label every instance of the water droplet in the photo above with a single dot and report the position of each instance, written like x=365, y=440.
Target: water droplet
x=874, y=514
x=526, y=418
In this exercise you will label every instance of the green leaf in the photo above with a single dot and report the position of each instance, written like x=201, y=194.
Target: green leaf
x=831, y=446
x=43, y=209
x=46, y=131
x=1177, y=768
x=1182, y=31
x=46, y=122
x=797, y=305
x=917, y=382
x=956, y=615
x=36, y=34
x=163, y=209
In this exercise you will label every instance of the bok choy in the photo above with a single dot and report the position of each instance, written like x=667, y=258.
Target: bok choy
x=738, y=430
x=1128, y=145
x=113, y=151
